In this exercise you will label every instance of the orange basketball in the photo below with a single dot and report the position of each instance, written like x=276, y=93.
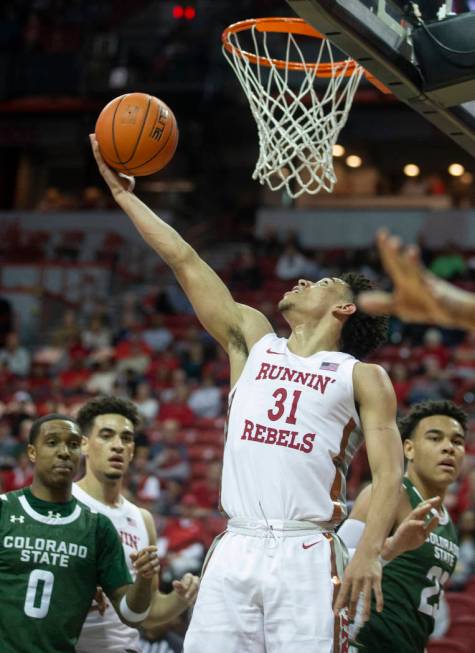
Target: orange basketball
x=137, y=134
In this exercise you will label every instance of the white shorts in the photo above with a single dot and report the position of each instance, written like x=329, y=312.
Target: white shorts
x=269, y=594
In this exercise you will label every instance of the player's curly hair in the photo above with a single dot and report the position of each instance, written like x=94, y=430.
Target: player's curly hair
x=106, y=405
x=362, y=333
x=408, y=423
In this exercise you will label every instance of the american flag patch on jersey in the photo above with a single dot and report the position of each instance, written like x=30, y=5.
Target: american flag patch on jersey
x=329, y=367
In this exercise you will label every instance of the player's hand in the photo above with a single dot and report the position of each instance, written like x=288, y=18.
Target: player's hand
x=145, y=562
x=187, y=588
x=362, y=577
x=117, y=181
x=414, y=530
x=99, y=602
x=418, y=295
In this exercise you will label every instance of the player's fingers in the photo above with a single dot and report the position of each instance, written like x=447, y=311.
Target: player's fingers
x=376, y=302
x=356, y=589
x=178, y=587
x=378, y=594
x=342, y=597
x=365, y=598
x=193, y=589
x=433, y=523
x=389, y=250
x=425, y=508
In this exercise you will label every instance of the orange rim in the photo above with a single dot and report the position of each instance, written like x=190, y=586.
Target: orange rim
x=290, y=26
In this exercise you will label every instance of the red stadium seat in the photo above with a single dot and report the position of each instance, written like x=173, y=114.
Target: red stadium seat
x=447, y=645
x=461, y=604
x=463, y=630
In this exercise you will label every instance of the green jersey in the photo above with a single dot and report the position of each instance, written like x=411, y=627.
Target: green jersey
x=412, y=585
x=52, y=557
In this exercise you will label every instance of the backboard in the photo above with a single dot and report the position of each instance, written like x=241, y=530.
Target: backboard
x=374, y=33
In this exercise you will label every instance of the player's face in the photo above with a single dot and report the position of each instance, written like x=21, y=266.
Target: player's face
x=315, y=297
x=436, y=449
x=56, y=453
x=109, y=446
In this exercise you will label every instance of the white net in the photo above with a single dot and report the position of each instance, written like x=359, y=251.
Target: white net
x=299, y=114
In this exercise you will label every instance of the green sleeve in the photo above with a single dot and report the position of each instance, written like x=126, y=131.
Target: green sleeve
x=112, y=571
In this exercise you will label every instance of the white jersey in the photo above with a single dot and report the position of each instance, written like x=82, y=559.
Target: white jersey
x=292, y=431
x=107, y=633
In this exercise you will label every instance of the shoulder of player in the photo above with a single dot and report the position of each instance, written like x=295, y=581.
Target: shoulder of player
x=369, y=378
x=149, y=525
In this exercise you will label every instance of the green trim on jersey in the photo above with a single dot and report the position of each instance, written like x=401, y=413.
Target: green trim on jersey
x=52, y=557
x=412, y=585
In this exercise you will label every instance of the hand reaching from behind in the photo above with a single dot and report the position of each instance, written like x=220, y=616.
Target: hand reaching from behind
x=418, y=295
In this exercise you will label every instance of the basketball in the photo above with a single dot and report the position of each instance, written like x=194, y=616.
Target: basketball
x=137, y=134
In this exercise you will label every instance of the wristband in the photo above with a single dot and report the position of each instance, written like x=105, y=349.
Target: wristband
x=130, y=615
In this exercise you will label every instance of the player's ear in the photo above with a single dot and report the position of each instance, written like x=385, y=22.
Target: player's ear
x=408, y=446
x=84, y=445
x=31, y=453
x=345, y=310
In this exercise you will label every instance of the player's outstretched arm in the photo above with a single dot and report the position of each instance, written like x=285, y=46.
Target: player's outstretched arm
x=220, y=315
x=166, y=607
x=411, y=533
x=132, y=602
x=375, y=396
x=418, y=295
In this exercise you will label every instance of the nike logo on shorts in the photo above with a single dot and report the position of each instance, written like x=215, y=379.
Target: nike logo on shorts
x=277, y=353
x=308, y=546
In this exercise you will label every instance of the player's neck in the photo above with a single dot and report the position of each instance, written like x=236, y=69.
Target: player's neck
x=108, y=493
x=426, y=489
x=307, y=339
x=51, y=494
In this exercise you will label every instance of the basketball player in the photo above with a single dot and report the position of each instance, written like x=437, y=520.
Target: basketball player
x=295, y=411
x=418, y=295
x=108, y=424
x=55, y=551
x=434, y=445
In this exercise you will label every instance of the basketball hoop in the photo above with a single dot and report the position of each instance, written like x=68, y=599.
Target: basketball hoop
x=298, y=122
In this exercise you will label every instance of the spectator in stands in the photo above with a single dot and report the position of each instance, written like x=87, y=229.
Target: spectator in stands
x=433, y=383
x=170, y=459
x=205, y=400
x=268, y=244
x=177, y=407
x=401, y=382
x=133, y=353
x=146, y=403
x=15, y=355
x=92, y=198
x=69, y=331
x=96, y=335
x=193, y=361
x=246, y=273
x=466, y=561
x=449, y=265
x=291, y=264
x=103, y=377
x=157, y=336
